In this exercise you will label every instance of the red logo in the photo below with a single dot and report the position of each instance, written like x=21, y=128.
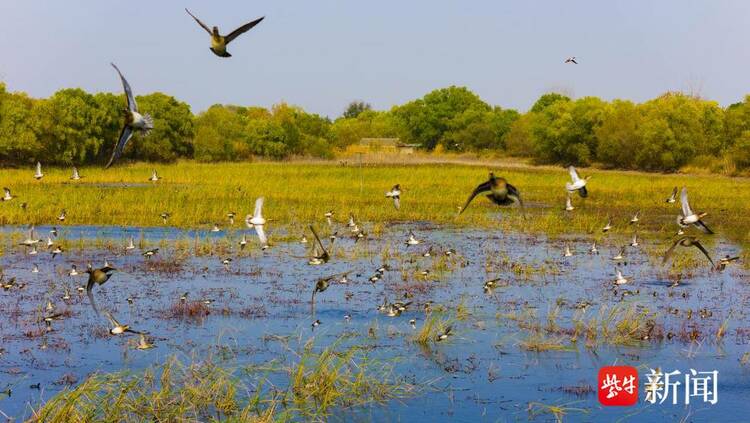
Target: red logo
x=618, y=385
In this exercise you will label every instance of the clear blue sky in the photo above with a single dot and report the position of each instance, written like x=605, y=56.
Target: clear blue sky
x=322, y=54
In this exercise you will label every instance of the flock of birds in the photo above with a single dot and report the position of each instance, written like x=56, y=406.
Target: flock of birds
x=497, y=190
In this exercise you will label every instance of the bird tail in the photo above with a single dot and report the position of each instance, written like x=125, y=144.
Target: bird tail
x=149, y=123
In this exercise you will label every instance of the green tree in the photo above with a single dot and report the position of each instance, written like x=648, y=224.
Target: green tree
x=355, y=108
x=618, y=136
x=547, y=100
x=172, y=136
x=18, y=140
x=425, y=121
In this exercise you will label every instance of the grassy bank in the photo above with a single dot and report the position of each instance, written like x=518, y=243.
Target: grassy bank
x=199, y=195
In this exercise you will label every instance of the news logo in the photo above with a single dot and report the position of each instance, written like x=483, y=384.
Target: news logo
x=618, y=386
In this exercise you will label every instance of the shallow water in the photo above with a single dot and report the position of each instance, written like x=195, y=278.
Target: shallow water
x=481, y=373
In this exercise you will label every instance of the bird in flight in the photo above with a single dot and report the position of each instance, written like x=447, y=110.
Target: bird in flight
x=75, y=176
x=38, y=174
x=320, y=254
x=7, y=196
x=257, y=222
x=134, y=121
x=501, y=192
x=154, y=176
x=572, y=60
x=117, y=327
x=569, y=204
x=219, y=42
x=395, y=194
x=689, y=217
x=621, y=280
x=577, y=183
x=687, y=241
x=672, y=198
x=97, y=277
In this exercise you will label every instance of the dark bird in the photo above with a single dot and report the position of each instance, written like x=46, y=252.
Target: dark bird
x=134, y=121
x=320, y=255
x=321, y=285
x=97, y=277
x=689, y=217
x=572, y=60
x=501, y=192
x=219, y=42
x=150, y=253
x=687, y=241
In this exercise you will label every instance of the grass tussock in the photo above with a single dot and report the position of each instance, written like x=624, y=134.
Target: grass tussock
x=313, y=386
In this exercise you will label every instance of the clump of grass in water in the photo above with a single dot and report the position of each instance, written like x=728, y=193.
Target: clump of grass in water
x=558, y=411
x=430, y=329
x=317, y=384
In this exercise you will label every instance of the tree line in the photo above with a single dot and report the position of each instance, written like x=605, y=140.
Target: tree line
x=73, y=127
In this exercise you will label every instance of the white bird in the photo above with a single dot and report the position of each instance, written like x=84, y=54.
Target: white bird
x=131, y=244
x=593, y=249
x=62, y=216
x=608, y=226
x=216, y=228
x=395, y=194
x=134, y=121
x=49, y=242
x=689, y=217
x=567, y=252
x=577, y=184
x=569, y=204
x=620, y=255
x=31, y=238
x=351, y=223
x=243, y=242
x=256, y=221
x=412, y=240
x=634, y=243
x=75, y=176
x=73, y=270
x=154, y=176
x=7, y=196
x=636, y=218
x=38, y=175
x=672, y=198
x=329, y=215
x=621, y=280
x=33, y=251
x=35, y=269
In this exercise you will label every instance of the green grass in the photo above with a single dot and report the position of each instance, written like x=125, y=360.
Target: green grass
x=314, y=385
x=198, y=195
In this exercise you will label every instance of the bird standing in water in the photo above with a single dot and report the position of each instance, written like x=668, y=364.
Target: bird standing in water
x=219, y=42
x=501, y=192
x=134, y=121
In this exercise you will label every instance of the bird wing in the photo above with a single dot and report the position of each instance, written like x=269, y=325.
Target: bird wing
x=7, y=191
x=699, y=246
x=396, y=202
x=483, y=187
x=669, y=252
x=573, y=174
x=258, y=207
x=674, y=193
x=261, y=234
x=514, y=194
x=38, y=168
x=703, y=227
x=317, y=239
x=125, y=135
x=686, y=211
x=132, y=106
x=241, y=30
x=204, y=26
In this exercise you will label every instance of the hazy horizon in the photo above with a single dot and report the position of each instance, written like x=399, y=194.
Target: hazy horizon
x=323, y=55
